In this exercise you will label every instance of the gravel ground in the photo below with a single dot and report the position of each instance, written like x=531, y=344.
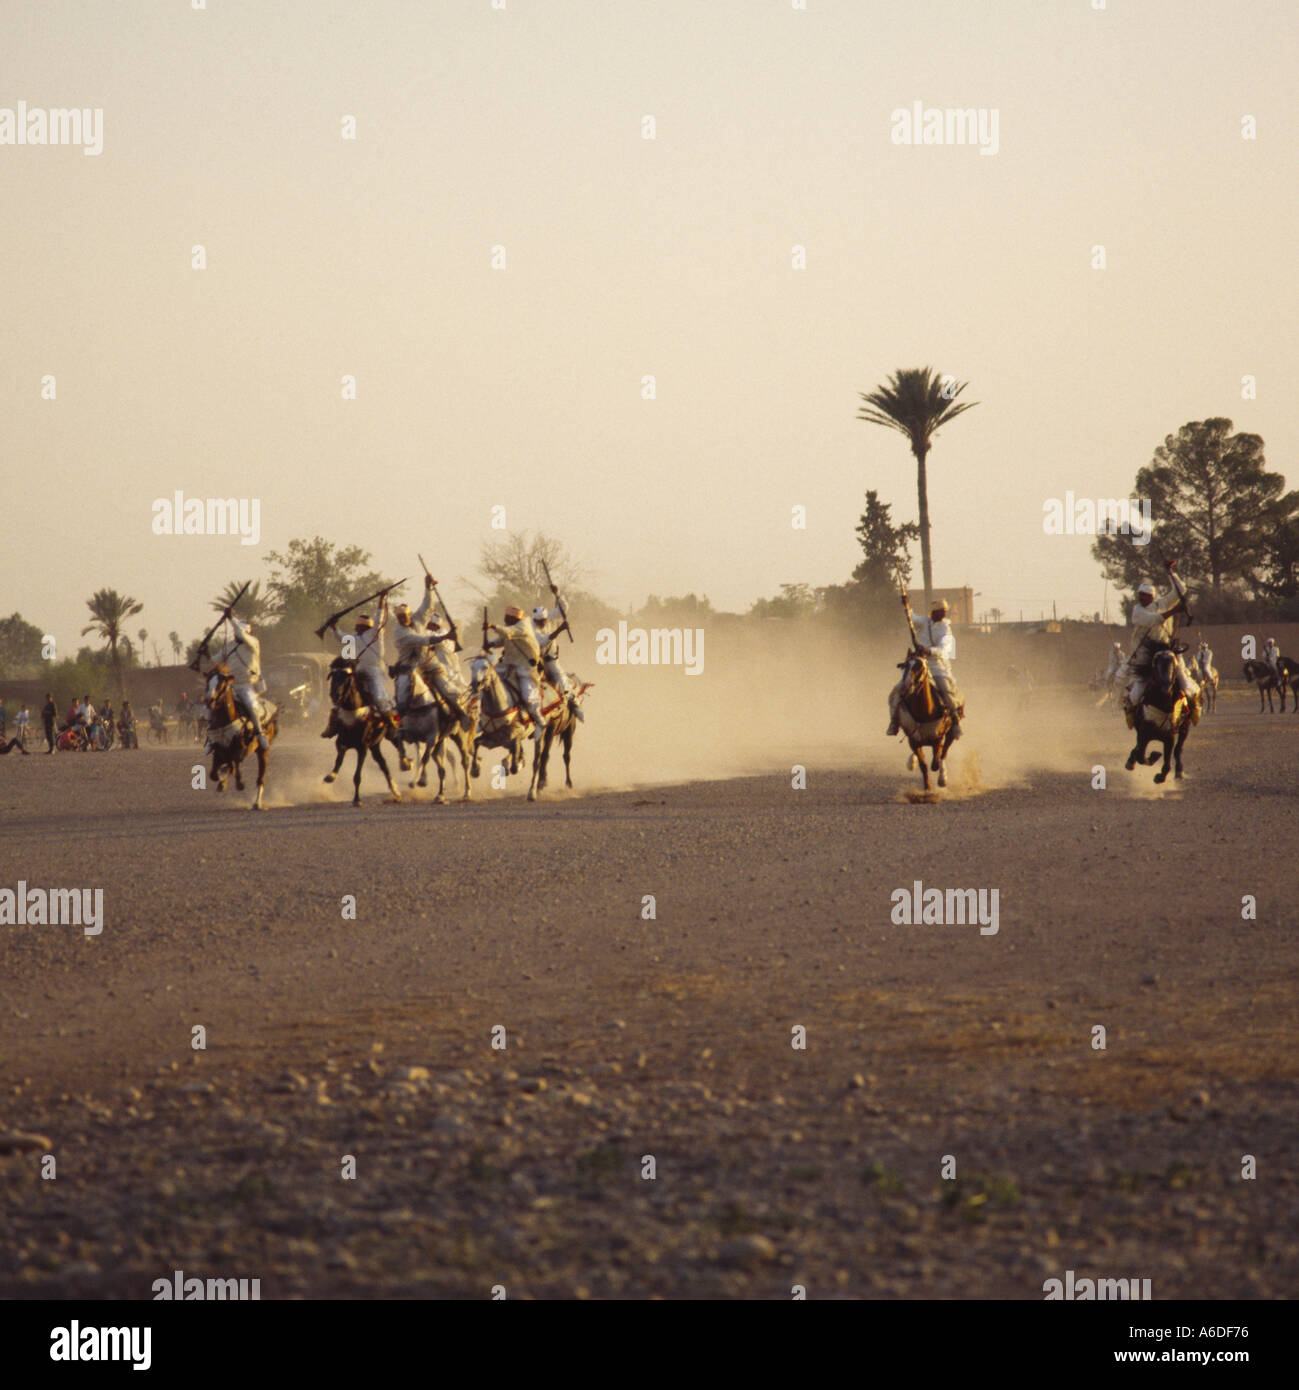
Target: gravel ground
x=648, y=1130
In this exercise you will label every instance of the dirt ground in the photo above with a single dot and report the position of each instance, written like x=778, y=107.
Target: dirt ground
x=648, y=1129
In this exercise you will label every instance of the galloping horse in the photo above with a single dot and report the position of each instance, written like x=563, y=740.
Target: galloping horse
x=362, y=728
x=429, y=722
x=501, y=721
x=561, y=723
x=923, y=718
x=1164, y=717
x=230, y=733
x=1267, y=680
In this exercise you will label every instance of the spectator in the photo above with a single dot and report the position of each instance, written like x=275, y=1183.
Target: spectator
x=24, y=718
x=49, y=713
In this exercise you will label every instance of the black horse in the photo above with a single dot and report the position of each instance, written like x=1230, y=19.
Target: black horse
x=1285, y=677
x=1164, y=716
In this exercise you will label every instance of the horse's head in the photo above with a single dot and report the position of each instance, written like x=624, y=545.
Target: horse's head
x=219, y=681
x=342, y=684
x=1163, y=670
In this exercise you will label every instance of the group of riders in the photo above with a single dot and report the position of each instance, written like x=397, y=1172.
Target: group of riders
x=522, y=652
x=1154, y=633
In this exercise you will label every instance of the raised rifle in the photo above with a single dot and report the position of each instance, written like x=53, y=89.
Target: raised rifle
x=202, y=646
x=559, y=602
x=455, y=631
x=343, y=612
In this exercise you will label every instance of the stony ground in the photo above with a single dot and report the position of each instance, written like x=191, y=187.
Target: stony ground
x=648, y=1130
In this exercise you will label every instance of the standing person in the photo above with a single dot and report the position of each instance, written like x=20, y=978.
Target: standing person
x=49, y=713
x=937, y=643
x=22, y=721
x=126, y=726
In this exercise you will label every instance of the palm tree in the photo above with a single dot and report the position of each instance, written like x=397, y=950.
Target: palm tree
x=916, y=401
x=252, y=606
x=109, y=611
x=143, y=635
x=176, y=646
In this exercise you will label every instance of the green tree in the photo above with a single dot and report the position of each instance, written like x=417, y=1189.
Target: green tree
x=871, y=596
x=20, y=646
x=917, y=402
x=1214, y=508
x=313, y=579
x=109, y=611
x=176, y=645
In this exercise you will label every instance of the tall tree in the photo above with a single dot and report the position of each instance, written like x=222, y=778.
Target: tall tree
x=176, y=645
x=109, y=611
x=1213, y=506
x=917, y=402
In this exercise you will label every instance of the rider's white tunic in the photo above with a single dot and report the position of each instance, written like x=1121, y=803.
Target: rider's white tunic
x=368, y=664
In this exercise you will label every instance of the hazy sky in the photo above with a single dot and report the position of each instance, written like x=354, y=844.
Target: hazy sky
x=626, y=257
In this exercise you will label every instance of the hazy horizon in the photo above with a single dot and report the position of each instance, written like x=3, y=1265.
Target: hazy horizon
x=521, y=387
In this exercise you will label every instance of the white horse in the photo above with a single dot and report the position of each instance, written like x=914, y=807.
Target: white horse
x=502, y=722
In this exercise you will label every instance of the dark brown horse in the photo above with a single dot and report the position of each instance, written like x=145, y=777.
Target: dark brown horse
x=360, y=728
x=230, y=733
x=1282, y=679
x=561, y=724
x=924, y=718
x=1163, y=717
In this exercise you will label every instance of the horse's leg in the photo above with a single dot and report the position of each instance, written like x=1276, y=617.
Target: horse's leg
x=376, y=752
x=338, y=761
x=262, y=760
x=543, y=756
x=1162, y=774
x=1177, y=748
x=1138, y=754
x=239, y=767
x=566, y=739
x=462, y=742
x=218, y=781
x=356, y=778
x=536, y=767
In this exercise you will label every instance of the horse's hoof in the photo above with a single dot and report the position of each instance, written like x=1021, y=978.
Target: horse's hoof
x=942, y=776
x=1161, y=776
x=406, y=764
x=1179, y=774
x=423, y=782
x=439, y=800
x=1130, y=764
x=329, y=776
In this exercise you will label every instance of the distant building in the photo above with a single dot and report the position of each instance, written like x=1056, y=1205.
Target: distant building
x=960, y=603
